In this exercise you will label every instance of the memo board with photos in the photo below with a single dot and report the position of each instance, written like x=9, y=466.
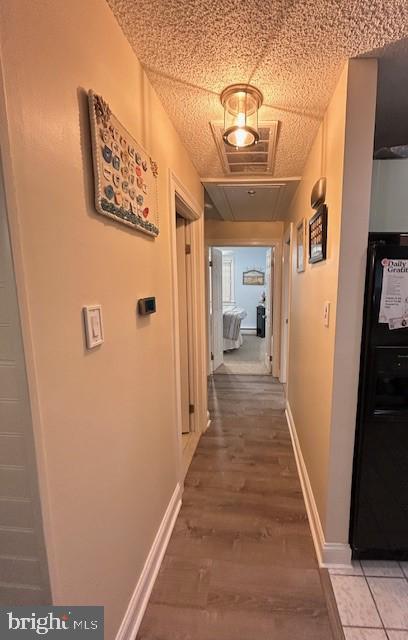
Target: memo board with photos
x=125, y=175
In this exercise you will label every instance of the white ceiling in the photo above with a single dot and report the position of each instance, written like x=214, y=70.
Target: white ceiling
x=292, y=51
x=234, y=201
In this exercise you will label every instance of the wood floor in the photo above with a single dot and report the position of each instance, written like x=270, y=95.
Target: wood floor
x=248, y=359
x=240, y=564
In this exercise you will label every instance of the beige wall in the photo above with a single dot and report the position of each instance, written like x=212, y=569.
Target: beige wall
x=355, y=216
x=105, y=420
x=389, y=196
x=323, y=361
x=266, y=232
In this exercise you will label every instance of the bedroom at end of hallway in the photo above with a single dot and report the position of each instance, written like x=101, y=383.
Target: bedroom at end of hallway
x=240, y=309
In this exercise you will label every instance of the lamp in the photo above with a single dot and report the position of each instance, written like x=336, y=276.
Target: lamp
x=241, y=103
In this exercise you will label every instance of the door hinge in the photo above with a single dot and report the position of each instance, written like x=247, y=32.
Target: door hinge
x=188, y=249
x=270, y=358
x=191, y=408
x=210, y=263
x=212, y=356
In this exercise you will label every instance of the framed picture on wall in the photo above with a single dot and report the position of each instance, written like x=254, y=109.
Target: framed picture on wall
x=318, y=235
x=254, y=277
x=300, y=245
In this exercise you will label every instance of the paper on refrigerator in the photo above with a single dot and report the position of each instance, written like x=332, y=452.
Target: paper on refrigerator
x=394, y=294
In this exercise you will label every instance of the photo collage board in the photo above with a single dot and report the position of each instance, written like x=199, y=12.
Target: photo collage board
x=125, y=175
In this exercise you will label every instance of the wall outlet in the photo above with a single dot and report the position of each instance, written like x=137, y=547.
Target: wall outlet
x=326, y=314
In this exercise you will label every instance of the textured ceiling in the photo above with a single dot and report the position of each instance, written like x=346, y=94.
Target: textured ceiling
x=391, y=127
x=291, y=50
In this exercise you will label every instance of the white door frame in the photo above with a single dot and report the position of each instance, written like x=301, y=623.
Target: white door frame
x=286, y=300
x=276, y=245
x=190, y=209
x=268, y=306
x=183, y=234
x=210, y=313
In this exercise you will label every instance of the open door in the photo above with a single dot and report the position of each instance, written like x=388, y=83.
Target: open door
x=183, y=322
x=285, y=310
x=216, y=320
x=268, y=310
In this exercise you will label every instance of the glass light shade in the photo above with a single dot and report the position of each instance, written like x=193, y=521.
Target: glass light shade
x=241, y=104
x=240, y=137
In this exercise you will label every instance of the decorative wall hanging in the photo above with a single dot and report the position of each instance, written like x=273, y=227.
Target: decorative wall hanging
x=253, y=276
x=318, y=235
x=125, y=175
x=301, y=245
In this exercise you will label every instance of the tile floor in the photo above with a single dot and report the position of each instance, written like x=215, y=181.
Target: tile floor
x=372, y=599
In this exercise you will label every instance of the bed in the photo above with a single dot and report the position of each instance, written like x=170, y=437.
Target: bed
x=232, y=317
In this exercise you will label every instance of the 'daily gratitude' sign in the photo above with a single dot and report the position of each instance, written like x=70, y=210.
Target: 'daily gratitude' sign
x=394, y=293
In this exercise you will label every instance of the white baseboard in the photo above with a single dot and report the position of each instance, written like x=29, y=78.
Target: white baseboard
x=248, y=331
x=140, y=598
x=329, y=554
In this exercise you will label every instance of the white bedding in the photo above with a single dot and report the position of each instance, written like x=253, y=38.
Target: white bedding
x=232, y=317
x=232, y=344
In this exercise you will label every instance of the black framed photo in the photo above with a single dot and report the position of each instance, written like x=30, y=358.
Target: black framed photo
x=318, y=235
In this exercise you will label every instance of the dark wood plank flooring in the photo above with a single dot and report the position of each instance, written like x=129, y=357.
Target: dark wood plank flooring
x=240, y=564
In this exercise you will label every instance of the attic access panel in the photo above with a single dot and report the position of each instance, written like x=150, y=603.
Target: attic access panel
x=258, y=159
x=243, y=204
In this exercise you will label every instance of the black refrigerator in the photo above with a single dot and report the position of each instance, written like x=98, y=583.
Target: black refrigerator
x=379, y=506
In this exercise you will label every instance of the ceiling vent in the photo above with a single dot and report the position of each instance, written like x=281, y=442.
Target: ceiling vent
x=256, y=160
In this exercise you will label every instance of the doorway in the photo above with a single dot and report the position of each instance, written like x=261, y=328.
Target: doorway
x=25, y=578
x=188, y=311
x=182, y=232
x=286, y=265
x=189, y=438
x=241, y=309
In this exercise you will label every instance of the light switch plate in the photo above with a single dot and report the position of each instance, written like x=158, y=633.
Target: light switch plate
x=326, y=314
x=93, y=325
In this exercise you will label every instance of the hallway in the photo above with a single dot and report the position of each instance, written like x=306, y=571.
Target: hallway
x=248, y=359
x=240, y=564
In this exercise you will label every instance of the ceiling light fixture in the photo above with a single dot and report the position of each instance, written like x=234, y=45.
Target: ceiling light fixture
x=241, y=104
